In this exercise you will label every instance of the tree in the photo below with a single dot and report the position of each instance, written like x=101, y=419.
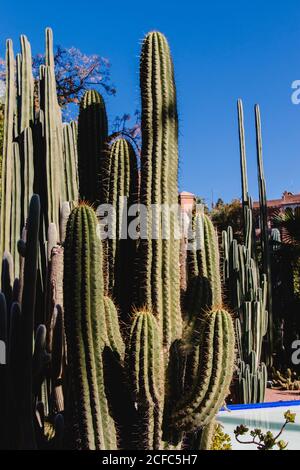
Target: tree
x=123, y=124
x=231, y=214
x=75, y=72
x=289, y=224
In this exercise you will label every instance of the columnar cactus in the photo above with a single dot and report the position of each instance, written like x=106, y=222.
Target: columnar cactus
x=26, y=113
x=15, y=207
x=203, y=267
x=265, y=244
x=247, y=288
x=86, y=332
x=7, y=172
x=212, y=375
x=70, y=162
x=92, y=132
x=158, y=279
x=53, y=137
x=30, y=252
x=28, y=171
x=119, y=189
x=145, y=357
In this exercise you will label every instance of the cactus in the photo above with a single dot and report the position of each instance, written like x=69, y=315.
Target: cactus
x=28, y=172
x=115, y=341
x=120, y=190
x=15, y=208
x=70, y=162
x=85, y=331
x=265, y=246
x=203, y=269
x=247, y=288
x=28, y=309
x=171, y=365
x=158, y=277
x=7, y=172
x=145, y=357
x=207, y=436
x=287, y=380
x=92, y=132
x=7, y=282
x=213, y=376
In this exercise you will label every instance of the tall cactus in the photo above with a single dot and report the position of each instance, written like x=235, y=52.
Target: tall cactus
x=30, y=250
x=70, y=162
x=6, y=178
x=247, y=295
x=85, y=330
x=92, y=133
x=119, y=176
x=247, y=288
x=158, y=282
x=15, y=208
x=26, y=114
x=265, y=244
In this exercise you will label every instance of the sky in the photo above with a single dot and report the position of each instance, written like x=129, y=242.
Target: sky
x=222, y=51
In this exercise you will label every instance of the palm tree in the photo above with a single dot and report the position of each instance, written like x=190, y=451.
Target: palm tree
x=289, y=223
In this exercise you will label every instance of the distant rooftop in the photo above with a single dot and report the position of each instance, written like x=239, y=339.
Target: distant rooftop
x=287, y=199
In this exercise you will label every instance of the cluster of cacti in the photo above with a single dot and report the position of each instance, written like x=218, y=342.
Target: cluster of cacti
x=288, y=380
x=248, y=290
x=106, y=315
x=39, y=153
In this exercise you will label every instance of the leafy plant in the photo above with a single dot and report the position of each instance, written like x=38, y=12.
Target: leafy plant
x=221, y=440
x=267, y=440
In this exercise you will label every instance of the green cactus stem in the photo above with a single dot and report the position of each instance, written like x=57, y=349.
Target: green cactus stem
x=7, y=171
x=215, y=368
x=86, y=332
x=92, y=133
x=145, y=364
x=158, y=276
x=119, y=189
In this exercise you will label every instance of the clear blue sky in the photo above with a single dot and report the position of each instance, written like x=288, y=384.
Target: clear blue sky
x=222, y=50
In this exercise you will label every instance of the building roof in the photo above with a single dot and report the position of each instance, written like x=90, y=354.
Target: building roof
x=288, y=199
x=186, y=193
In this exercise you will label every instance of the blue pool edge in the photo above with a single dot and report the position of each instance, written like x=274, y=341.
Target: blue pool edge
x=254, y=406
